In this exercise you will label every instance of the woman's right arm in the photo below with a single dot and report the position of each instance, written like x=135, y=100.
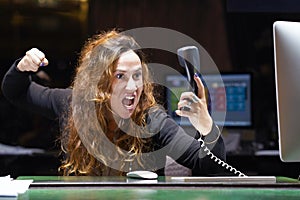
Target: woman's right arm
x=18, y=88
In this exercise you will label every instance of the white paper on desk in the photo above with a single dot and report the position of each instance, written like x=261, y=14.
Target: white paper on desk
x=18, y=150
x=11, y=188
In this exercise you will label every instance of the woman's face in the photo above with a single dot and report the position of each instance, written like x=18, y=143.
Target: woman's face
x=127, y=84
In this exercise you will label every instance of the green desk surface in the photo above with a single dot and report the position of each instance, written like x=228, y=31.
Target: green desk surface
x=53, y=187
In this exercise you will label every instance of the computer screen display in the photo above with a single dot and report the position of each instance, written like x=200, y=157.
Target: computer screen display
x=229, y=97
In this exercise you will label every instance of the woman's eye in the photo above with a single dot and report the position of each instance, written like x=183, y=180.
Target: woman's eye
x=137, y=75
x=119, y=76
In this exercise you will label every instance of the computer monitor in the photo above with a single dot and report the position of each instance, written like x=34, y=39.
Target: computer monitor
x=230, y=98
x=286, y=36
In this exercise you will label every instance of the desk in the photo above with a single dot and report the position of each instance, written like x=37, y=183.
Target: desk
x=50, y=187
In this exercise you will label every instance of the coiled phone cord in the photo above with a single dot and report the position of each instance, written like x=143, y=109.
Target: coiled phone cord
x=219, y=161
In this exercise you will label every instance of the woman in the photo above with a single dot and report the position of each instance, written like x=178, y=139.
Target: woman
x=110, y=120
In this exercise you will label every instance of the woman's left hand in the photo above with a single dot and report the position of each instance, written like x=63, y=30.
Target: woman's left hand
x=198, y=112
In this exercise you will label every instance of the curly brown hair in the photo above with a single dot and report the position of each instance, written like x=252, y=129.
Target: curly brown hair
x=87, y=145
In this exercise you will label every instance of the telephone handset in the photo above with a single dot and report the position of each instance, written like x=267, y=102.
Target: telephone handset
x=188, y=57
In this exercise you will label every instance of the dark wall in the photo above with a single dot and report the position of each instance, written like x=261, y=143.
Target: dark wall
x=250, y=37
x=58, y=31
x=200, y=20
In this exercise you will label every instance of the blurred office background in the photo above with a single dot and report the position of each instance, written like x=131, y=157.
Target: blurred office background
x=237, y=34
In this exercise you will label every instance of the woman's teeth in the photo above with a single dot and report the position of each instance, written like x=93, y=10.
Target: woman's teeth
x=128, y=101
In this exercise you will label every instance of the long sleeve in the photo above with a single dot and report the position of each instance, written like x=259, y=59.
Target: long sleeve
x=18, y=88
x=185, y=149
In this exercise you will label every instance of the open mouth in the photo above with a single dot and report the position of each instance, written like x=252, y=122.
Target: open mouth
x=128, y=101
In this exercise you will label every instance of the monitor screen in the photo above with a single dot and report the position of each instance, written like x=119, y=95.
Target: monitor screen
x=230, y=98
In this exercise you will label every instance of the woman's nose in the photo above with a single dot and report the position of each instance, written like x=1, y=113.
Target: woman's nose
x=131, y=84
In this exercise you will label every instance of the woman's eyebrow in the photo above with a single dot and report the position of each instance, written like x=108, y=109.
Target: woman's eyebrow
x=119, y=70
x=124, y=71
